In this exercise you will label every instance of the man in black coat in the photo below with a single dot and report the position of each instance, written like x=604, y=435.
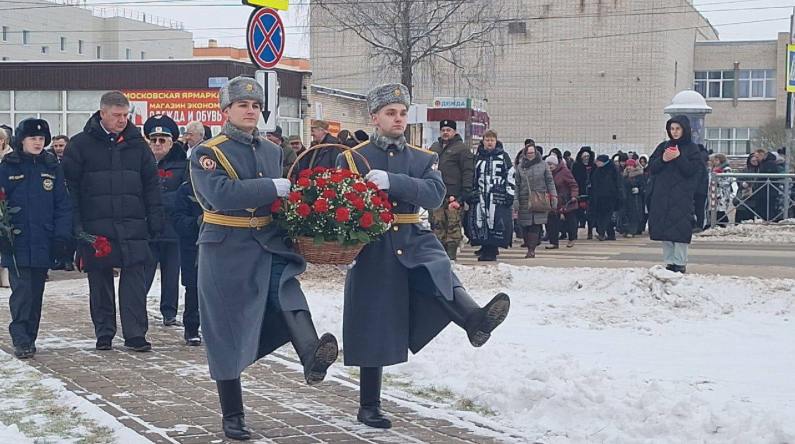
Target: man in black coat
x=582, y=169
x=325, y=157
x=674, y=167
x=112, y=178
x=606, y=196
x=161, y=132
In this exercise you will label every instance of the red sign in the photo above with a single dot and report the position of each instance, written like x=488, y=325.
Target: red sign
x=182, y=105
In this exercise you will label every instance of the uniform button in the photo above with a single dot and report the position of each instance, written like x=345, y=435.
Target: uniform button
x=391, y=154
x=399, y=252
x=394, y=204
x=259, y=174
x=395, y=228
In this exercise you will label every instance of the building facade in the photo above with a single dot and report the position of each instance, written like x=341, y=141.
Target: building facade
x=49, y=30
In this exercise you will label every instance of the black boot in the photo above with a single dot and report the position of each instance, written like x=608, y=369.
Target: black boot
x=316, y=355
x=477, y=322
x=234, y=423
x=370, y=399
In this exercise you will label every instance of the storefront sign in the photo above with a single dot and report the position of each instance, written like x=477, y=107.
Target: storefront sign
x=451, y=102
x=182, y=105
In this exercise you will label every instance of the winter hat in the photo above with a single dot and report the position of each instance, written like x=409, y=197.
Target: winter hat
x=322, y=124
x=604, y=158
x=447, y=124
x=361, y=135
x=529, y=142
x=161, y=125
x=240, y=88
x=384, y=95
x=632, y=163
x=294, y=138
x=552, y=160
x=277, y=132
x=31, y=127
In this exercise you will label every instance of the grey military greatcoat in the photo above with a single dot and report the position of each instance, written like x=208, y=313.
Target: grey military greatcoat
x=392, y=291
x=235, y=263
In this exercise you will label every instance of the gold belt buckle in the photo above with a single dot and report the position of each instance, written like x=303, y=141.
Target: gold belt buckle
x=252, y=223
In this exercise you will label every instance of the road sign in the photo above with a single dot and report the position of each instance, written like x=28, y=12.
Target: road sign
x=270, y=112
x=275, y=4
x=265, y=37
x=217, y=82
x=790, y=68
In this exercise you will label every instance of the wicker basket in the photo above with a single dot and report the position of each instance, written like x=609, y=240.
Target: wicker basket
x=328, y=253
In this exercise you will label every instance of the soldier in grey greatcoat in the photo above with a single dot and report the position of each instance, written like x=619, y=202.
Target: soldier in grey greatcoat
x=250, y=300
x=401, y=292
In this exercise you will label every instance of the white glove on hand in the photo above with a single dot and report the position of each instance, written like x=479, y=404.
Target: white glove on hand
x=379, y=177
x=282, y=187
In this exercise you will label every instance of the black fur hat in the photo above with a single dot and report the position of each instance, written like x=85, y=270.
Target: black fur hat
x=31, y=127
x=361, y=135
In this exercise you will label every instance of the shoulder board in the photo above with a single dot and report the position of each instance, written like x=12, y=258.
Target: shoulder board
x=420, y=149
x=366, y=142
x=215, y=141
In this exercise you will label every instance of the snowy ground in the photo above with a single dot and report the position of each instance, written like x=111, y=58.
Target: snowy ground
x=750, y=231
x=38, y=409
x=595, y=355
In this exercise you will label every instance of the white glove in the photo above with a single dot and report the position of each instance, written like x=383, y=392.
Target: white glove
x=635, y=190
x=282, y=187
x=379, y=177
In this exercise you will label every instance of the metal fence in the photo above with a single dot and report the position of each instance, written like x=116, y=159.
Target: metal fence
x=737, y=197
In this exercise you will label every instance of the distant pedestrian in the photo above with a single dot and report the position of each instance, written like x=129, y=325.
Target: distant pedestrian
x=634, y=183
x=194, y=135
x=606, y=193
x=58, y=146
x=582, y=169
x=563, y=217
x=702, y=189
x=724, y=188
x=288, y=154
x=536, y=196
x=674, y=165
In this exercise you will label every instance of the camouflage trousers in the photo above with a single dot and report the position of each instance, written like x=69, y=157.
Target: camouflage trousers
x=446, y=225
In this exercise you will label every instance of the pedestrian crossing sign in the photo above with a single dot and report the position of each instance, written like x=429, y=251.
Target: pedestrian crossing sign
x=275, y=4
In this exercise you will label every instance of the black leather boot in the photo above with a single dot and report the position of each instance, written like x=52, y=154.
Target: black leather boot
x=316, y=355
x=234, y=423
x=477, y=322
x=370, y=399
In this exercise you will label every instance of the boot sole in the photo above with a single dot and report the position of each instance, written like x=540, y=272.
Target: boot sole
x=325, y=355
x=496, y=314
x=381, y=424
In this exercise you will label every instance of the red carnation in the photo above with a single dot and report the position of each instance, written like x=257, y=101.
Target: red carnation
x=336, y=178
x=342, y=215
x=101, y=246
x=321, y=205
x=295, y=196
x=359, y=187
x=164, y=174
x=319, y=169
x=304, y=181
x=387, y=204
x=305, y=173
x=329, y=194
x=386, y=217
x=276, y=206
x=358, y=203
x=372, y=185
x=303, y=210
x=376, y=201
x=366, y=221
x=320, y=182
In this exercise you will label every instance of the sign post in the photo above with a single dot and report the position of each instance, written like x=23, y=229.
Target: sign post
x=270, y=112
x=265, y=37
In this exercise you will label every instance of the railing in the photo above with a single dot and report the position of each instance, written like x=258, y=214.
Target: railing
x=735, y=197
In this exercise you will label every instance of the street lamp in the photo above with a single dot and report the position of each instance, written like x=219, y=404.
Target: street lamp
x=691, y=104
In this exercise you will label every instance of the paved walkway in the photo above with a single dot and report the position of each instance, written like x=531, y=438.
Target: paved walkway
x=768, y=260
x=168, y=397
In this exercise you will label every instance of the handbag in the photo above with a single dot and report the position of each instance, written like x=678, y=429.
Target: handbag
x=540, y=202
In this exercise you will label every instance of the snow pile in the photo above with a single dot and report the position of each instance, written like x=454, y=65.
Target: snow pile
x=612, y=355
x=752, y=231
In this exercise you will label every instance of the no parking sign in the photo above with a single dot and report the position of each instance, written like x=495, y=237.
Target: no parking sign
x=265, y=37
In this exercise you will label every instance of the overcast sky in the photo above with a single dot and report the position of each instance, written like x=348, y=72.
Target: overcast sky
x=225, y=20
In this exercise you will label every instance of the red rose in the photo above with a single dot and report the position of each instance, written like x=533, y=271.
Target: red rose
x=320, y=182
x=303, y=210
x=376, y=201
x=359, y=187
x=276, y=206
x=329, y=194
x=319, y=169
x=101, y=246
x=321, y=205
x=342, y=215
x=295, y=196
x=387, y=204
x=303, y=181
x=372, y=185
x=386, y=217
x=336, y=178
x=305, y=173
x=358, y=203
x=366, y=221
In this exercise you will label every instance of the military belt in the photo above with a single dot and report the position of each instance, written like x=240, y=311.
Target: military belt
x=412, y=218
x=237, y=221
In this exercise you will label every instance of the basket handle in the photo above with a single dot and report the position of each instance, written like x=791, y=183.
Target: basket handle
x=341, y=148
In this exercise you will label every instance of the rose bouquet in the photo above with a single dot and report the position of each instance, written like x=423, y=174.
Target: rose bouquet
x=332, y=214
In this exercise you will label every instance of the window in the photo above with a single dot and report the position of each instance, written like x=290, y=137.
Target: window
x=731, y=141
x=45, y=49
x=63, y=44
x=5, y=33
x=99, y=52
x=715, y=84
x=143, y=55
x=128, y=53
x=79, y=46
x=25, y=37
x=757, y=84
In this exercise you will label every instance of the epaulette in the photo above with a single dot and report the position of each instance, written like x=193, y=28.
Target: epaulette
x=215, y=141
x=420, y=149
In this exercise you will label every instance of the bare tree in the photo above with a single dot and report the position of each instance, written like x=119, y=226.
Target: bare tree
x=772, y=135
x=406, y=33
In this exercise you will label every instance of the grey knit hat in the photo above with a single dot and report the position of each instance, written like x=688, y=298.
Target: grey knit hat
x=240, y=88
x=384, y=95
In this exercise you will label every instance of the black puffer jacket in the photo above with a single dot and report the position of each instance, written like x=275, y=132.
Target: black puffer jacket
x=115, y=192
x=607, y=192
x=171, y=172
x=582, y=172
x=673, y=184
